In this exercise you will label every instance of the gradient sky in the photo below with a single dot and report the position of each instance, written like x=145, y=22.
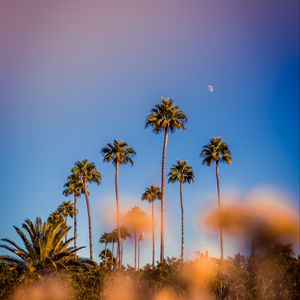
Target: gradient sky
x=74, y=75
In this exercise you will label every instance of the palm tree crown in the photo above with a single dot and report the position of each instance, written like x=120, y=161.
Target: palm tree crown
x=118, y=153
x=73, y=186
x=181, y=172
x=105, y=238
x=87, y=171
x=66, y=209
x=166, y=116
x=152, y=193
x=216, y=151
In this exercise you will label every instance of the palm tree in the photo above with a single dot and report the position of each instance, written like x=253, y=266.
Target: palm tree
x=124, y=235
x=217, y=151
x=55, y=217
x=74, y=186
x=136, y=219
x=105, y=239
x=66, y=209
x=182, y=173
x=119, y=154
x=165, y=117
x=44, y=249
x=113, y=239
x=88, y=173
x=141, y=238
x=151, y=194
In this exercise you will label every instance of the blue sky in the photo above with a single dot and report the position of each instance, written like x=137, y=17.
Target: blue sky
x=74, y=77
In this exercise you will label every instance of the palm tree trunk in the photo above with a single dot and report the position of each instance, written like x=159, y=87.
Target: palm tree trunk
x=153, y=237
x=118, y=216
x=105, y=247
x=135, y=245
x=163, y=175
x=75, y=220
x=139, y=254
x=182, y=221
x=112, y=251
x=122, y=248
x=219, y=207
x=89, y=218
x=66, y=221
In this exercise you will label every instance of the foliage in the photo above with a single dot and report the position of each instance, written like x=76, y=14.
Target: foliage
x=216, y=151
x=44, y=249
x=118, y=153
x=181, y=172
x=152, y=193
x=166, y=116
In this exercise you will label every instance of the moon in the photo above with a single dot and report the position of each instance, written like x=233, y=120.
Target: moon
x=210, y=88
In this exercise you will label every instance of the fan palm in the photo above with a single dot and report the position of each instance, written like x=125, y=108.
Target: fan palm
x=215, y=152
x=118, y=153
x=140, y=238
x=151, y=194
x=113, y=236
x=124, y=233
x=104, y=239
x=136, y=219
x=44, y=249
x=74, y=186
x=165, y=117
x=55, y=217
x=182, y=173
x=88, y=173
x=66, y=209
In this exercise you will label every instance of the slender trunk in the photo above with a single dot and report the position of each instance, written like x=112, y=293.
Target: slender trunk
x=153, y=237
x=66, y=221
x=135, y=249
x=139, y=254
x=163, y=175
x=89, y=218
x=219, y=207
x=112, y=251
x=118, y=217
x=105, y=248
x=122, y=245
x=75, y=221
x=182, y=221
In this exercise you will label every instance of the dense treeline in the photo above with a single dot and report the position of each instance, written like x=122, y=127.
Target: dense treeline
x=274, y=275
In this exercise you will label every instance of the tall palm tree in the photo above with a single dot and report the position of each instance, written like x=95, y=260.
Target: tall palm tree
x=136, y=219
x=66, y=209
x=217, y=151
x=44, y=249
x=165, y=117
x=88, y=173
x=124, y=235
x=105, y=239
x=182, y=173
x=151, y=194
x=74, y=186
x=55, y=217
x=140, y=239
x=113, y=239
x=118, y=153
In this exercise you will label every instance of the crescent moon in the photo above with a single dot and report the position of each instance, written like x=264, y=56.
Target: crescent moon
x=210, y=88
